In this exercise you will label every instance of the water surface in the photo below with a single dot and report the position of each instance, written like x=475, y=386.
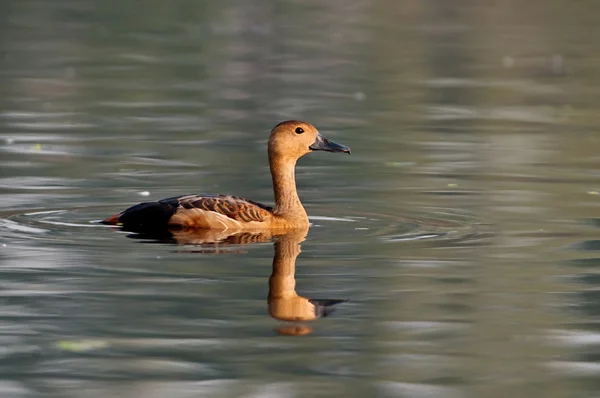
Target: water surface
x=460, y=237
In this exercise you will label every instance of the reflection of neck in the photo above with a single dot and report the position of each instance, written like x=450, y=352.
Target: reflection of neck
x=282, y=283
x=287, y=202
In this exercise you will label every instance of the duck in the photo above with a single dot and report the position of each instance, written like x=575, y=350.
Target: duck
x=288, y=142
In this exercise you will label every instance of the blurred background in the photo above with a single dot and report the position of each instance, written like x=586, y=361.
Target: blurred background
x=463, y=229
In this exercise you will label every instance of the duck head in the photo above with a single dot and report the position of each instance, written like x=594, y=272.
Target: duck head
x=294, y=138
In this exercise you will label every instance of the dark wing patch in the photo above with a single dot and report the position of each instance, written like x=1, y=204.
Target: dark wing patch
x=147, y=216
x=234, y=207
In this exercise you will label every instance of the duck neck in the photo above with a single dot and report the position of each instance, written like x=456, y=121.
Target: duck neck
x=287, y=202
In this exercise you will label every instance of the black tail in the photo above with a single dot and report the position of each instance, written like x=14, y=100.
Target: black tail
x=144, y=217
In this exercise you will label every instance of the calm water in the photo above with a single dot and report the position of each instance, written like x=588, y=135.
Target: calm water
x=463, y=229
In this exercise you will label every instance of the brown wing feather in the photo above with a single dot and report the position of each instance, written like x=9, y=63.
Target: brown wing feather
x=234, y=207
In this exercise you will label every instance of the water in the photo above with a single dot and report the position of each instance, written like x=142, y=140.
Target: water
x=460, y=237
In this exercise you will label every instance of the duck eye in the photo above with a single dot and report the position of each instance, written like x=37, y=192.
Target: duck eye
x=299, y=130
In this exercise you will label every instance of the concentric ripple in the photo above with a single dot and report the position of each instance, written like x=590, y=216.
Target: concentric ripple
x=434, y=225
x=426, y=224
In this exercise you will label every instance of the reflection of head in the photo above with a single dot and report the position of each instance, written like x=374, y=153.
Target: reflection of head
x=298, y=308
x=295, y=308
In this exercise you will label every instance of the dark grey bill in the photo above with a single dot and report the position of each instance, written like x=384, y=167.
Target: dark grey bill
x=323, y=144
x=323, y=307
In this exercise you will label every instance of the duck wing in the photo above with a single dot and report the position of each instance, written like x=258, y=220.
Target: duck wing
x=193, y=211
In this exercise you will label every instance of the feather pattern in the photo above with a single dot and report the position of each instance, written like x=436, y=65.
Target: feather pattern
x=227, y=211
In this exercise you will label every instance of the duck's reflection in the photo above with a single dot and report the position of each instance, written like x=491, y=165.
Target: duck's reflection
x=205, y=237
x=283, y=302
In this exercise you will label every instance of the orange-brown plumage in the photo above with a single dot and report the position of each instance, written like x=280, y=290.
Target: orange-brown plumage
x=288, y=142
x=194, y=211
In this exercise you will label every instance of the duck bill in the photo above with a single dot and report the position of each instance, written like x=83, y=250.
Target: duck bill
x=323, y=144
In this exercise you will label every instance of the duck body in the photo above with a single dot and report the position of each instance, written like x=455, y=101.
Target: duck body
x=203, y=211
x=287, y=143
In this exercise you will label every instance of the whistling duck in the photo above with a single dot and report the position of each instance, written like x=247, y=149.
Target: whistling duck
x=288, y=141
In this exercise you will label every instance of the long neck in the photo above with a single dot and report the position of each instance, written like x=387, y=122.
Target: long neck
x=287, y=202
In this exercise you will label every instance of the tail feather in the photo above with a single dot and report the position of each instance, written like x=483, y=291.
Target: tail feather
x=112, y=220
x=149, y=216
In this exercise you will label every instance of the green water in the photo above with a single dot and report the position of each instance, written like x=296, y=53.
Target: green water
x=463, y=229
